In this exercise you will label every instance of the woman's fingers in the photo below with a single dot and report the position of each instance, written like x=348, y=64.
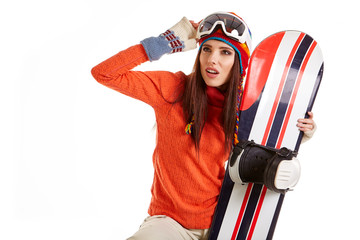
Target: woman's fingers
x=306, y=124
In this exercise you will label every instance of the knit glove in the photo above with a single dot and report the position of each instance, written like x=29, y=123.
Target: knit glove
x=179, y=38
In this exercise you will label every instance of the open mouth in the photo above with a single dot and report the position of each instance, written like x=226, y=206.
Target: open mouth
x=212, y=71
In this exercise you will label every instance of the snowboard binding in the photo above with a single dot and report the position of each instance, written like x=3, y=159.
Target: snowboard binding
x=277, y=169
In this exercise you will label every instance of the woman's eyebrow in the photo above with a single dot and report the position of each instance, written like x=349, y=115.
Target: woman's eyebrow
x=207, y=45
x=221, y=47
x=227, y=48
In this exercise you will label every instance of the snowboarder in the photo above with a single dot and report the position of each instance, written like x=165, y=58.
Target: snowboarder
x=195, y=117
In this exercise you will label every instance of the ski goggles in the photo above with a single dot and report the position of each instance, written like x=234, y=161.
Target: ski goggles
x=232, y=26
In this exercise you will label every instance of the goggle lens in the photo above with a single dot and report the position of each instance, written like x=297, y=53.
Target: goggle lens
x=233, y=25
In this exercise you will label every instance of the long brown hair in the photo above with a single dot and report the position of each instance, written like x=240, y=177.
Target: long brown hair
x=194, y=102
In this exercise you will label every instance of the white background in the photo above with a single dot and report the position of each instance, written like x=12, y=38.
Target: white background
x=75, y=157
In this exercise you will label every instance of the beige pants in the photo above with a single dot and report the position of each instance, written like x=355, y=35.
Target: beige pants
x=165, y=228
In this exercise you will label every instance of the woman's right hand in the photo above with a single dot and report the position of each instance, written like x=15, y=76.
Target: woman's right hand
x=194, y=24
x=185, y=30
x=179, y=38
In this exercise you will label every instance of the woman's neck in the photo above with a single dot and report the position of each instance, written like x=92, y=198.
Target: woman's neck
x=215, y=96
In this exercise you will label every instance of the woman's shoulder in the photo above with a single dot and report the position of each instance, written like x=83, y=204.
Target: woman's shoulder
x=170, y=84
x=167, y=76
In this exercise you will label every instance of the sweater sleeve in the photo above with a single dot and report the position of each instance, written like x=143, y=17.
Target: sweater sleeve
x=151, y=87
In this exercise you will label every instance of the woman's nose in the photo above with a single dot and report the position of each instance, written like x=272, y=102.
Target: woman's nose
x=213, y=58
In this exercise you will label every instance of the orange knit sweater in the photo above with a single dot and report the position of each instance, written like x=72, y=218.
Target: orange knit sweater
x=185, y=187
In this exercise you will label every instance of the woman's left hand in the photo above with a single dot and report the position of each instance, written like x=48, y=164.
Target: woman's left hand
x=307, y=124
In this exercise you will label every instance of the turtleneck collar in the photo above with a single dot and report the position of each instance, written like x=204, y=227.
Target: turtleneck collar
x=215, y=96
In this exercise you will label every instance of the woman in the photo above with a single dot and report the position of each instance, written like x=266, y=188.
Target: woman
x=195, y=116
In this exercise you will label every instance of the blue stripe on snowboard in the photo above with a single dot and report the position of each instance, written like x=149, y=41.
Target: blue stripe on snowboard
x=287, y=91
x=311, y=102
x=249, y=212
x=223, y=201
x=248, y=117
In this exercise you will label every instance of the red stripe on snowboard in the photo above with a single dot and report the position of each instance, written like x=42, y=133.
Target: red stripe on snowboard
x=242, y=210
x=293, y=97
x=261, y=73
x=281, y=85
x=258, y=209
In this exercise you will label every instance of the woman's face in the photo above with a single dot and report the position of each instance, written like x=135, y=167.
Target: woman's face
x=216, y=62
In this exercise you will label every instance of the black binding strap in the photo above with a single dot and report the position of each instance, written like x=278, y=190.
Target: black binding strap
x=258, y=163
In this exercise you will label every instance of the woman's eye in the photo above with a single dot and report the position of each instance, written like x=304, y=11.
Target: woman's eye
x=226, y=52
x=206, y=49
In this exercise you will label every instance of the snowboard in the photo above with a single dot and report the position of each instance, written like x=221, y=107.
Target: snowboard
x=283, y=78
